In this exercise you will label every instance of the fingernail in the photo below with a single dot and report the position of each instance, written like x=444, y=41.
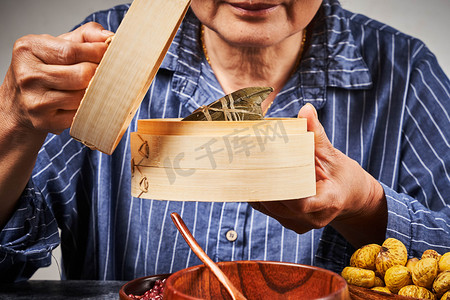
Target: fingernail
x=314, y=109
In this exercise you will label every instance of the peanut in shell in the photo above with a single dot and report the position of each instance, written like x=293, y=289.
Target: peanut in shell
x=397, y=277
x=424, y=272
x=431, y=253
x=441, y=284
x=446, y=296
x=359, y=277
x=381, y=289
x=411, y=263
x=416, y=292
x=392, y=252
x=444, y=262
x=378, y=282
x=365, y=257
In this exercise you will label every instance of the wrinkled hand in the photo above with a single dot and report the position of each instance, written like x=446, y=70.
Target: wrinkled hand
x=48, y=76
x=347, y=197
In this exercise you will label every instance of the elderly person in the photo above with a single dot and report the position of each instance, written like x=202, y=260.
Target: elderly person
x=376, y=99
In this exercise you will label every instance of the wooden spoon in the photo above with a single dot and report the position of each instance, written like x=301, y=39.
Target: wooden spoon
x=190, y=240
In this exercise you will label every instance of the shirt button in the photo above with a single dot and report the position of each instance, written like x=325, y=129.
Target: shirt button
x=231, y=235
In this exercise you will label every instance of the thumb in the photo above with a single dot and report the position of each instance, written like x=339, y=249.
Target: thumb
x=89, y=32
x=310, y=114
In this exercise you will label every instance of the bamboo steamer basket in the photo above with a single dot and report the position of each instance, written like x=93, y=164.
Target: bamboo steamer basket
x=220, y=161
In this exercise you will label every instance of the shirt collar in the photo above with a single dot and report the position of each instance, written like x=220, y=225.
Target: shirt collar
x=185, y=52
x=333, y=57
x=334, y=49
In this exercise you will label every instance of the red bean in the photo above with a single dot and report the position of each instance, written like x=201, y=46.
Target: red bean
x=154, y=293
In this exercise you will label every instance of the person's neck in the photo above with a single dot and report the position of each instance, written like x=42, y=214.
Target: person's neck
x=239, y=67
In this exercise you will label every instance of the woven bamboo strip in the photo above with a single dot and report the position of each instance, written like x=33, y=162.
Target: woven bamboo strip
x=222, y=152
x=223, y=185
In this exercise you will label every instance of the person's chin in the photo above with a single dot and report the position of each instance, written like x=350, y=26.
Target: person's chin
x=251, y=41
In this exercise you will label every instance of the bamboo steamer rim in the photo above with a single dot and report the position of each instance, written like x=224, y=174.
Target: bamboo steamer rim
x=174, y=126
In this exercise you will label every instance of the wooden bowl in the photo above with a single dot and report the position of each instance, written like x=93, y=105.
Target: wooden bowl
x=258, y=280
x=139, y=286
x=271, y=159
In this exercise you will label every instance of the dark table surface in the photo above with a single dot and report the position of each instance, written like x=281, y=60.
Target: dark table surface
x=56, y=289
x=91, y=289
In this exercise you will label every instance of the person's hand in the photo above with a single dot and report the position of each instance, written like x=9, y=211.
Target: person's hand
x=347, y=197
x=47, y=78
x=41, y=92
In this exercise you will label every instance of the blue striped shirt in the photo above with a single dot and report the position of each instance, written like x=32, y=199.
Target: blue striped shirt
x=381, y=96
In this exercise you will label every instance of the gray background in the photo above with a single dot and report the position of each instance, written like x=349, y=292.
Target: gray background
x=427, y=20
